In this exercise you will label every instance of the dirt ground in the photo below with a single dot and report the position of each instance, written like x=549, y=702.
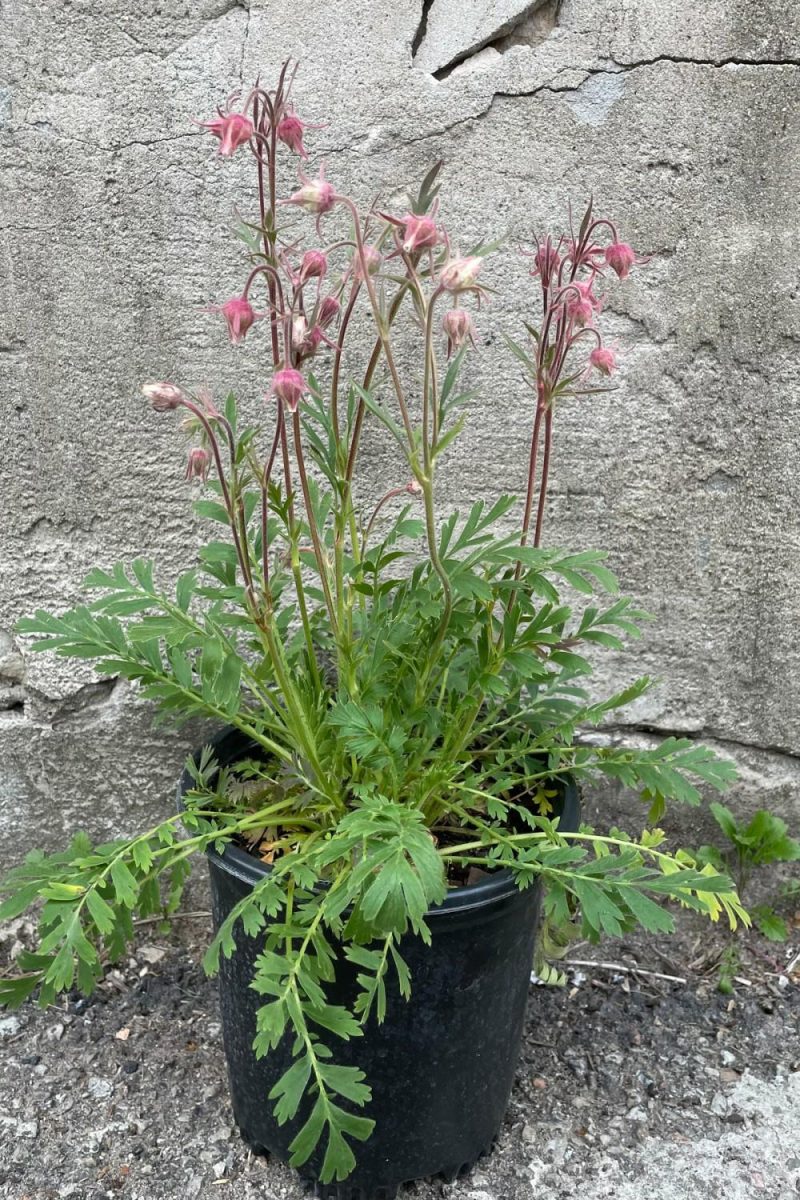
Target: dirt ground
x=629, y=1086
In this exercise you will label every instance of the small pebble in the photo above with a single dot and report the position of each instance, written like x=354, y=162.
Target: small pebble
x=101, y=1089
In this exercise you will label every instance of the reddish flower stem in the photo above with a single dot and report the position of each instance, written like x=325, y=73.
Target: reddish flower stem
x=242, y=552
x=548, y=441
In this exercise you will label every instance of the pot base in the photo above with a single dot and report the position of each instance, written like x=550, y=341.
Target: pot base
x=352, y=1191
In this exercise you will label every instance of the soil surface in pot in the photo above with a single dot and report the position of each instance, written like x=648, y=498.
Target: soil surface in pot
x=628, y=1086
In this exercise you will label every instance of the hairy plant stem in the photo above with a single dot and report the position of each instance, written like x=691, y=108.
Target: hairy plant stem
x=242, y=550
x=548, y=441
x=294, y=704
x=265, y=478
x=380, y=322
x=429, y=399
x=319, y=552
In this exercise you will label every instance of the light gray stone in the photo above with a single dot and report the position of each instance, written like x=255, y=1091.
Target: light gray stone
x=682, y=119
x=454, y=29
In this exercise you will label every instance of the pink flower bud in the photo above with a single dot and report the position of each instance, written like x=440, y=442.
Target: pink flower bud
x=205, y=399
x=372, y=259
x=315, y=195
x=239, y=315
x=546, y=261
x=459, y=274
x=413, y=488
x=581, y=303
x=314, y=265
x=328, y=311
x=163, y=396
x=419, y=233
x=290, y=132
x=232, y=129
x=305, y=340
x=289, y=386
x=459, y=328
x=620, y=257
x=603, y=359
x=198, y=464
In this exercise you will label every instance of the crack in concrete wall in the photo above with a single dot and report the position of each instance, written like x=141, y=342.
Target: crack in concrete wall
x=453, y=31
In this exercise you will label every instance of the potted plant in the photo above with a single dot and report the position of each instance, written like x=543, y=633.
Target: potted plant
x=393, y=792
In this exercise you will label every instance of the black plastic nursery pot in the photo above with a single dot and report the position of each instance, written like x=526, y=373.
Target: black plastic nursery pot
x=441, y=1065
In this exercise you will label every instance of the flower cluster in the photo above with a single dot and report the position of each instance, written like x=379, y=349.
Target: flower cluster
x=309, y=294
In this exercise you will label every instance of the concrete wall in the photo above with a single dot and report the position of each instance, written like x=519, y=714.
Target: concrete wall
x=681, y=118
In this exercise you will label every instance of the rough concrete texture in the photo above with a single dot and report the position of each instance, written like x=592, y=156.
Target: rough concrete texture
x=681, y=119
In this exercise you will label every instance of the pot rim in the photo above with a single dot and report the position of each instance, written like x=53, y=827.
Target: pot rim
x=242, y=865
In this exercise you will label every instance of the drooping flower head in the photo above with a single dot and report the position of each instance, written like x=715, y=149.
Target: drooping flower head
x=581, y=302
x=603, y=359
x=290, y=130
x=459, y=328
x=305, y=338
x=372, y=260
x=239, y=316
x=620, y=257
x=546, y=261
x=163, y=396
x=314, y=265
x=419, y=233
x=233, y=129
x=289, y=386
x=459, y=274
x=329, y=310
x=315, y=195
x=198, y=464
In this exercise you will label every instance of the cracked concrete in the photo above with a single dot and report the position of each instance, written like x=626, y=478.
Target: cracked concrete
x=681, y=119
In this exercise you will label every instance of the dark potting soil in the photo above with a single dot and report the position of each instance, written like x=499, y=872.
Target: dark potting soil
x=628, y=1086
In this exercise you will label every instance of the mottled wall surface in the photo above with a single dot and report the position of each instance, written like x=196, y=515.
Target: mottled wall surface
x=681, y=118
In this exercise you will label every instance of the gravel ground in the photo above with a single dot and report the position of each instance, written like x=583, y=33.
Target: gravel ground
x=629, y=1086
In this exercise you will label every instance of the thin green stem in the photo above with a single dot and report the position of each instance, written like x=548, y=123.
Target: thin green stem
x=319, y=552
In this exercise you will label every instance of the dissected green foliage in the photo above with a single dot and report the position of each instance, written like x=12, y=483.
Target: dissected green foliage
x=411, y=741
x=412, y=692
x=761, y=841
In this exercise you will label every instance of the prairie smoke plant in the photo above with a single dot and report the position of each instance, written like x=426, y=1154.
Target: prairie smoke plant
x=411, y=684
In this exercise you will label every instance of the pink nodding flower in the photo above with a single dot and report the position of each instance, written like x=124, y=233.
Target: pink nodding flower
x=546, y=261
x=305, y=339
x=371, y=259
x=163, y=396
x=459, y=274
x=459, y=327
x=198, y=464
x=239, y=316
x=290, y=131
x=314, y=265
x=603, y=359
x=620, y=257
x=413, y=488
x=289, y=386
x=315, y=195
x=233, y=130
x=329, y=310
x=581, y=303
x=419, y=233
